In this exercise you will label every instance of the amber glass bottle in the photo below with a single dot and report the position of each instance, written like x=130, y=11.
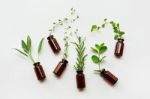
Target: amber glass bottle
x=53, y=44
x=39, y=71
x=108, y=76
x=119, y=48
x=80, y=79
x=60, y=67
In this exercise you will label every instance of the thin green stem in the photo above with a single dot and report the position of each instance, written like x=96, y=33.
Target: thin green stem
x=31, y=58
x=99, y=62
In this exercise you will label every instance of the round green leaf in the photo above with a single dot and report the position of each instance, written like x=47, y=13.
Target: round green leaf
x=95, y=59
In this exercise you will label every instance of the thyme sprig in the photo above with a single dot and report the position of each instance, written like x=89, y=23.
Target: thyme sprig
x=27, y=48
x=66, y=42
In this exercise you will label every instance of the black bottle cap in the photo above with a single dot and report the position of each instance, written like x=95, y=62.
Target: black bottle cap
x=36, y=64
x=64, y=61
x=50, y=37
x=79, y=72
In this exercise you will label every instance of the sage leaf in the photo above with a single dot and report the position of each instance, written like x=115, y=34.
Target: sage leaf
x=40, y=46
x=20, y=52
x=29, y=43
x=24, y=47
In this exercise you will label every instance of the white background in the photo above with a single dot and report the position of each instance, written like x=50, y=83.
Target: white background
x=19, y=18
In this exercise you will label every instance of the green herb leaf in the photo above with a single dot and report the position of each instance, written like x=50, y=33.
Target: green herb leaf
x=24, y=47
x=40, y=46
x=102, y=49
x=29, y=43
x=20, y=52
x=103, y=25
x=97, y=47
x=105, y=20
x=94, y=50
x=121, y=33
x=116, y=37
x=95, y=28
x=95, y=59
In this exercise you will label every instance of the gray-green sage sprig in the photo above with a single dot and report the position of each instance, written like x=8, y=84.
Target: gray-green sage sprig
x=27, y=49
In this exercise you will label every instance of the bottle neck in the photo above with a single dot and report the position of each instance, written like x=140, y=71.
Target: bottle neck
x=80, y=72
x=50, y=37
x=36, y=64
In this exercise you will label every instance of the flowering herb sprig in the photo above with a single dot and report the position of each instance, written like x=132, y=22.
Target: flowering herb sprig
x=61, y=22
x=27, y=49
x=66, y=42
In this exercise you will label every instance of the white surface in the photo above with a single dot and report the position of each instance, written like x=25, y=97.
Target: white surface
x=18, y=18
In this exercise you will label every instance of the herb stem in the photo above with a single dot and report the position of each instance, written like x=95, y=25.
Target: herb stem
x=31, y=58
x=99, y=63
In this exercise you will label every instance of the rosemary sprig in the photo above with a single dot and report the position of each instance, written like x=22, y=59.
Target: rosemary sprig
x=81, y=56
x=98, y=50
x=27, y=48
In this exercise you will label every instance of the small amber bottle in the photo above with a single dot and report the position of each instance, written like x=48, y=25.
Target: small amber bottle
x=53, y=44
x=80, y=80
x=39, y=71
x=109, y=77
x=119, y=48
x=60, y=67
